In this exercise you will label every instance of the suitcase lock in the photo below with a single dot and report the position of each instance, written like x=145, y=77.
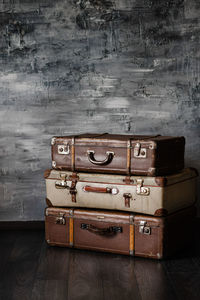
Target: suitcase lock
x=60, y=220
x=139, y=152
x=140, y=189
x=62, y=184
x=144, y=229
x=63, y=149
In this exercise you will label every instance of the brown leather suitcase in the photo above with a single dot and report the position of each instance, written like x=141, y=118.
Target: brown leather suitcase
x=118, y=232
x=119, y=154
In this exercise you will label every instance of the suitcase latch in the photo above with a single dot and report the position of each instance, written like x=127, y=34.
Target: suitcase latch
x=63, y=149
x=62, y=184
x=139, y=152
x=140, y=189
x=144, y=229
x=60, y=220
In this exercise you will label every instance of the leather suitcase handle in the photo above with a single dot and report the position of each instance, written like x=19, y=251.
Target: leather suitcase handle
x=106, y=161
x=95, y=189
x=101, y=231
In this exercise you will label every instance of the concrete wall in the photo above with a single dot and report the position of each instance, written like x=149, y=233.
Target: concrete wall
x=74, y=66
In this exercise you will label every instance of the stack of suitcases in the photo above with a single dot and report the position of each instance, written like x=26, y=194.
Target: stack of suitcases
x=125, y=194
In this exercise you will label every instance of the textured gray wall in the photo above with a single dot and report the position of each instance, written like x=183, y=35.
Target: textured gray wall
x=66, y=67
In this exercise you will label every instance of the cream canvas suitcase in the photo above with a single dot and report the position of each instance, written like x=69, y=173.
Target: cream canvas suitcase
x=156, y=196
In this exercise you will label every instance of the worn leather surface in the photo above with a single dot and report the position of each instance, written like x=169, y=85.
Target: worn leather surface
x=167, y=234
x=167, y=155
x=179, y=192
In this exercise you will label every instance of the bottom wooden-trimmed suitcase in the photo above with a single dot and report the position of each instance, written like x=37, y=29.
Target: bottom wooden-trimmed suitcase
x=120, y=232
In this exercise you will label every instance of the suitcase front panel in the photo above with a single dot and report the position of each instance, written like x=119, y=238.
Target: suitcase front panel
x=148, y=240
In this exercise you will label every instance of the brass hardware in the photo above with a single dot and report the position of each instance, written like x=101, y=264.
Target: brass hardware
x=152, y=146
x=63, y=149
x=71, y=212
x=53, y=140
x=53, y=164
x=131, y=219
x=139, y=152
x=144, y=229
x=60, y=220
x=114, y=191
x=62, y=184
x=140, y=189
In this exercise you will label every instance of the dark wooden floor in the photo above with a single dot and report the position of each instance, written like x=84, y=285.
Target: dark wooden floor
x=29, y=269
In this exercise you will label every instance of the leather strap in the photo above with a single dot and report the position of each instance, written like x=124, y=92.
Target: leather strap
x=127, y=198
x=73, y=191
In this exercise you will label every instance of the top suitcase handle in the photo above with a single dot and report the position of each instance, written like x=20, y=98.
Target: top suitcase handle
x=106, y=161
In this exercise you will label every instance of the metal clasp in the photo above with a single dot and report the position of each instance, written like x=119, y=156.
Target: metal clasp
x=140, y=189
x=60, y=220
x=139, y=152
x=144, y=229
x=62, y=184
x=63, y=149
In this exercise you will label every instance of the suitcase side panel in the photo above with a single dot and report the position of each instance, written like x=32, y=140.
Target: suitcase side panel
x=61, y=150
x=160, y=237
x=149, y=244
x=57, y=227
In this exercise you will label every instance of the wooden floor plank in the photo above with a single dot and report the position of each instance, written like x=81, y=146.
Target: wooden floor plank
x=46, y=289
x=184, y=274
x=53, y=263
x=119, y=281
x=21, y=266
x=30, y=269
x=51, y=280
x=85, y=282
x=152, y=280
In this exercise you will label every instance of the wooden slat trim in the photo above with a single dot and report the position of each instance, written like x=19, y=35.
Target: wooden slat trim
x=73, y=153
x=128, y=156
x=131, y=240
x=71, y=231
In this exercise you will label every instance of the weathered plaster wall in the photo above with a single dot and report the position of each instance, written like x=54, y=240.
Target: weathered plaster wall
x=73, y=66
